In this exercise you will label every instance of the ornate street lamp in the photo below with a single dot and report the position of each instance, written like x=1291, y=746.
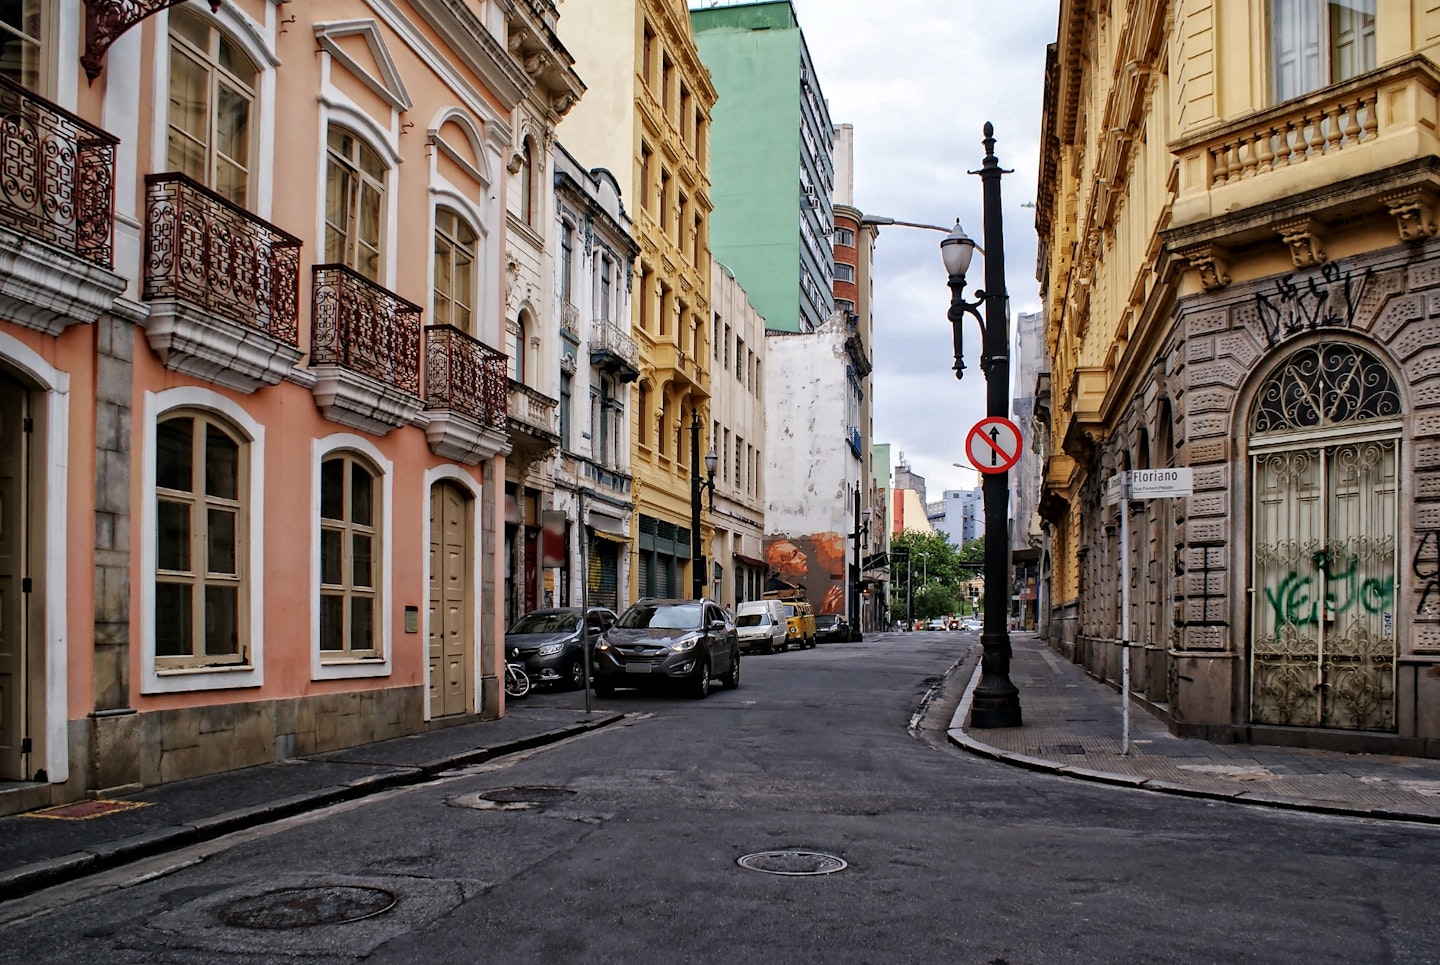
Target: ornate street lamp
x=697, y=485
x=996, y=701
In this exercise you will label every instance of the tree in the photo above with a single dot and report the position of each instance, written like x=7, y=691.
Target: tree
x=936, y=565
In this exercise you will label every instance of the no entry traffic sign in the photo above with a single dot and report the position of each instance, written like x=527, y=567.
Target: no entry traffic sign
x=993, y=444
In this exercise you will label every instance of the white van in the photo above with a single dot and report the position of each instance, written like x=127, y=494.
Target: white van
x=761, y=625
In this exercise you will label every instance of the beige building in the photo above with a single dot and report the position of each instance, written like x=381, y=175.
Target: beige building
x=1237, y=216
x=737, y=409
x=646, y=119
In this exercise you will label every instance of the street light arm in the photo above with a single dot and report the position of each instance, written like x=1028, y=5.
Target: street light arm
x=880, y=221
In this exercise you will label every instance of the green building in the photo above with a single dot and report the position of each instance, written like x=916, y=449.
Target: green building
x=771, y=164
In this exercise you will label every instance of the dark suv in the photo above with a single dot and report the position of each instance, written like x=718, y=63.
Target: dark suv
x=547, y=643
x=659, y=641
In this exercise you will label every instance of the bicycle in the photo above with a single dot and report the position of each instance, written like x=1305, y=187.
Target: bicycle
x=517, y=681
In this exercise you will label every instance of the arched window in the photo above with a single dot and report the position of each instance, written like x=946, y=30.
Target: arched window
x=201, y=542
x=642, y=406
x=349, y=558
x=1323, y=386
x=212, y=97
x=456, y=252
x=354, y=203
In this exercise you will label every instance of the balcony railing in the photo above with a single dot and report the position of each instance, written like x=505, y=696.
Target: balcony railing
x=206, y=250
x=610, y=345
x=360, y=326
x=533, y=410
x=465, y=375
x=57, y=175
x=1369, y=109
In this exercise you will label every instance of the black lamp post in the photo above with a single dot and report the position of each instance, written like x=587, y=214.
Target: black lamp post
x=996, y=701
x=862, y=532
x=697, y=556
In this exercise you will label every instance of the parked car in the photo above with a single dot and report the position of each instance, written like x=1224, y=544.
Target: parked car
x=799, y=623
x=668, y=641
x=546, y=643
x=831, y=628
x=971, y=624
x=761, y=626
x=936, y=623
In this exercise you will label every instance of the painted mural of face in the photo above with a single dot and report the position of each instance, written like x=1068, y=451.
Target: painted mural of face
x=786, y=559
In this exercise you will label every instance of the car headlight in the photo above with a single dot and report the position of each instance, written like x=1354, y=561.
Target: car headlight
x=603, y=644
x=550, y=649
x=685, y=644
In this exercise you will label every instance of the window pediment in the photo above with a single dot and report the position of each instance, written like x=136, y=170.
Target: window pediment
x=368, y=60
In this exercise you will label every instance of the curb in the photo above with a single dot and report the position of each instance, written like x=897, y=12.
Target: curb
x=961, y=738
x=29, y=878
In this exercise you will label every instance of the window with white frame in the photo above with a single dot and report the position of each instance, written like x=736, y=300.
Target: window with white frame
x=349, y=558
x=20, y=41
x=456, y=252
x=201, y=534
x=212, y=97
x=517, y=348
x=845, y=236
x=567, y=262
x=607, y=271
x=1315, y=43
x=844, y=272
x=354, y=203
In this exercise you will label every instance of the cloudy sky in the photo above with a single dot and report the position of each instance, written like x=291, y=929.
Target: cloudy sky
x=918, y=79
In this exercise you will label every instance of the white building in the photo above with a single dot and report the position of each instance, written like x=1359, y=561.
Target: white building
x=737, y=437
x=595, y=256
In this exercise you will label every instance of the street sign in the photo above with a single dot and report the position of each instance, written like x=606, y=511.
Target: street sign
x=993, y=444
x=1160, y=483
x=1115, y=489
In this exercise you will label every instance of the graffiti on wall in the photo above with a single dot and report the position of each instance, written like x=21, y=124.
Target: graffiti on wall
x=1329, y=300
x=1426, y=565
x=815, y=563
x=1295, y=598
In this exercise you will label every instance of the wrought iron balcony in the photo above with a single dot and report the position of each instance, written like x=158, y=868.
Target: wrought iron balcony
x=206, y=250
x=57, y=176
x=613, y=350
x=465, y=395
x=365, y=348
x=224, y=286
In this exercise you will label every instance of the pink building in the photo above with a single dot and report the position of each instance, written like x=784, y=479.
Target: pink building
x=252, y=405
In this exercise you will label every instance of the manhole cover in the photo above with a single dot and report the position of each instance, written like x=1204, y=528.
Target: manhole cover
x=303, y=907
x=525, y=795
x=793, y=863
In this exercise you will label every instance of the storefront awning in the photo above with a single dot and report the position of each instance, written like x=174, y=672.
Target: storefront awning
x=609, y=537
x=612, y=525
x=749, y=560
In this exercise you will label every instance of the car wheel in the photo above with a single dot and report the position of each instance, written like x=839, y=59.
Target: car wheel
x=575, y=674
x=700, y=686
x=603, y=688
x=769, y=646
x=732, y=679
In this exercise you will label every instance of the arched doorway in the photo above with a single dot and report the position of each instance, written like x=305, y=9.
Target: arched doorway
x=1324, y=448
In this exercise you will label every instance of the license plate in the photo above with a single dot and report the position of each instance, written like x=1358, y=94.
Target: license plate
x=637, y=668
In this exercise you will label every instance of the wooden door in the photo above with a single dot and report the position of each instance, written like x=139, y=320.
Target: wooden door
x=452, y=641
x=14, y=696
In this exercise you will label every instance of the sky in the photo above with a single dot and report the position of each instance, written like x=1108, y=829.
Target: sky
x=918, y=79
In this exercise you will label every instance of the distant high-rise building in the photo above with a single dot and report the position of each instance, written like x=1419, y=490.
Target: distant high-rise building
x=771, y=165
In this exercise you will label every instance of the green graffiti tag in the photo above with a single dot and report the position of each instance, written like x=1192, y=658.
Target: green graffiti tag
x=1294, y=600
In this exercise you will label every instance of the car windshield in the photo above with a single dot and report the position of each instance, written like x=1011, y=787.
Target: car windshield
x=752, y=620
x=547, y=623
x=826, y=619
x=662, y=616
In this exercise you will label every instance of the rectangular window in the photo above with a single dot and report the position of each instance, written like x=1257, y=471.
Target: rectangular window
x=565, y=390
x=349, y=559
x=646, y=163
x=739, y=462
x=727, y=348
x=607, y=269
x=715, y=336
x=740, y=360
x=354, y=204
x=844, y=272
x=567, y=259
x=845, y=236
x=20, y=29
x=647, y=56
x=1315, y=43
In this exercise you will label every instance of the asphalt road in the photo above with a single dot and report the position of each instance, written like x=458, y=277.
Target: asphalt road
x=622, y=846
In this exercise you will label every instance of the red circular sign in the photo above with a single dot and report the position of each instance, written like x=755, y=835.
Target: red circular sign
x=993, y=444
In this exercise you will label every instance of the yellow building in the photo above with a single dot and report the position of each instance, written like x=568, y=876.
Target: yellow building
x=645, y=117
x=1241, y=278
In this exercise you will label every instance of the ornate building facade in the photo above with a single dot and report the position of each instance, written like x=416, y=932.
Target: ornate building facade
x=650, y=128
x=1240, y=269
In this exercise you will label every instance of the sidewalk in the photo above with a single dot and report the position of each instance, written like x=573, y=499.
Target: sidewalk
x=1072, y=727
x=46, y=847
